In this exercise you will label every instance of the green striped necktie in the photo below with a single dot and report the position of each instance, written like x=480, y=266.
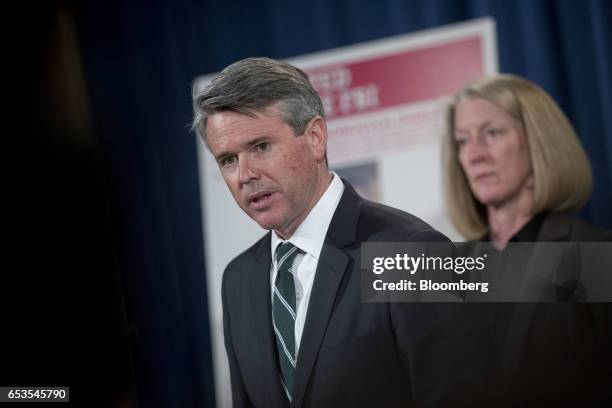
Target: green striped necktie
x=283, y=314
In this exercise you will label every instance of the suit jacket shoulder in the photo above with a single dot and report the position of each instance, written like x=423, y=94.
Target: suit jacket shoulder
x=379, y=222
x=248, y=257
x=568, y=227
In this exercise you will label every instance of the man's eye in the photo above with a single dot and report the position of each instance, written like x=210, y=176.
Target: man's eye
x=227, y=161
x=262, y=147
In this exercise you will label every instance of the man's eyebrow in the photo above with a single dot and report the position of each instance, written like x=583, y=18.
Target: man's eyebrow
x=256, y=141
x=246, y=145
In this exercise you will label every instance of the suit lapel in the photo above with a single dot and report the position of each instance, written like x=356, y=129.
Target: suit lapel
x=556, y=227
x=331, y=269
x=262, y=315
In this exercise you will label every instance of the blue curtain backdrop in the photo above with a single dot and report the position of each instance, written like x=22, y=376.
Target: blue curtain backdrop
x=140, y=58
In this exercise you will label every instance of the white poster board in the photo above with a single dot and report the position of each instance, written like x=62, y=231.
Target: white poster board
x=383, y=102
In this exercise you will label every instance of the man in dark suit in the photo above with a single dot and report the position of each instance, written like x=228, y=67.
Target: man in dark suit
x=296, y=332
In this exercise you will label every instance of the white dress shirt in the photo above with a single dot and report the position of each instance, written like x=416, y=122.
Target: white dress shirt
x=309, y=237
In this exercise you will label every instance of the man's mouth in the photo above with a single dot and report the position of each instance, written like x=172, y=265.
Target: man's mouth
x=260, y=200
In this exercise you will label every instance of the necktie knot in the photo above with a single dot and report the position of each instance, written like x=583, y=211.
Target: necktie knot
x=285, y=253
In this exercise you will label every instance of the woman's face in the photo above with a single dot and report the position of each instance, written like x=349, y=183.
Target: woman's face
x=492, y=151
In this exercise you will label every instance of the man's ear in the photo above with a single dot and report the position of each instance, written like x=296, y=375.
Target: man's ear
x=316, y=132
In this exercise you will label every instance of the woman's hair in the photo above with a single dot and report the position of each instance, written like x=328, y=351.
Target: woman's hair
x=561, y=171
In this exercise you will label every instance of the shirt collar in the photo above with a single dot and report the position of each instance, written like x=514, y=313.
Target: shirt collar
x=528, y=232
x=310, y=234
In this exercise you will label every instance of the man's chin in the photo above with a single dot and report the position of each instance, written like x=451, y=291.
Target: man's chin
x=264, y=221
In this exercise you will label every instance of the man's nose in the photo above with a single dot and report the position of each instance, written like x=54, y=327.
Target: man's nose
x=247, y=170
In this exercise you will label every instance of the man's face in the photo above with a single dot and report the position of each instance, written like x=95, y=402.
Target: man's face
x=274, y=176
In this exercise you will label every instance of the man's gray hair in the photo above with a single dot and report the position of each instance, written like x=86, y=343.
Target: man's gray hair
x=252, y=85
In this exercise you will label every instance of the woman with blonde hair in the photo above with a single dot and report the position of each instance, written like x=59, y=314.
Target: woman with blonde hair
x=515, y=171
x=513, y=165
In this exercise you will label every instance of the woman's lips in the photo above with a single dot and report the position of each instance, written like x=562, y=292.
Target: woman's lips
x=484, y=176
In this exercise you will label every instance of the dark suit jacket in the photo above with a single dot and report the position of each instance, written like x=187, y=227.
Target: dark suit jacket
x=555, y=354
x=567, y=228
x=352, y=353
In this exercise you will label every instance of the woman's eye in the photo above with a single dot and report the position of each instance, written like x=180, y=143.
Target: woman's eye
x=493, y=132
